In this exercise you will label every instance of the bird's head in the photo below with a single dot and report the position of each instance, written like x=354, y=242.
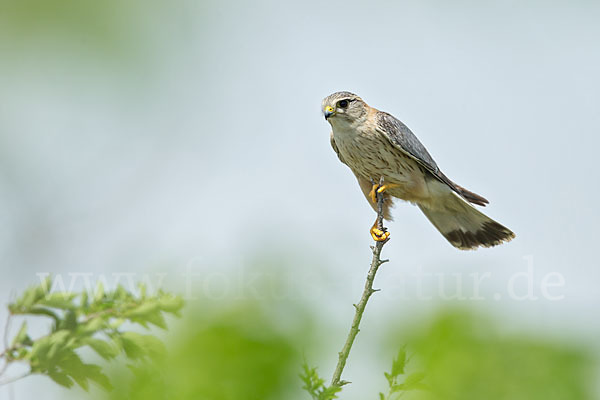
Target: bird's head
x=343, y=106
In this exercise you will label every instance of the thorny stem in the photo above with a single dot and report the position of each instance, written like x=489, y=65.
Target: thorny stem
x=367, y=292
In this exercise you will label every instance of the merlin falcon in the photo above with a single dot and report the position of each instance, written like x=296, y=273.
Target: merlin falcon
x=387, y=158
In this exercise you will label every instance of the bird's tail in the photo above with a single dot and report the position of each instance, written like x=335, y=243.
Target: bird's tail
x=463, y=225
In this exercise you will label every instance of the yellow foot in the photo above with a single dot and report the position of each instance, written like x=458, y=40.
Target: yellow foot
x=373, y=193
x=380, y=189
x=378, y=235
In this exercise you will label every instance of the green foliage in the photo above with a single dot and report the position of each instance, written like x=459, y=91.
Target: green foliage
x=315, y=385
x=100, y=23
x=79, y=321
x=466, y=357
x=228, y=351
x=397, y=387
x=242, y=350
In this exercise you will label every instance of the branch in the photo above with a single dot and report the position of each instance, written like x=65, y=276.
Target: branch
x=6, y=330
x=367, y=292
x=6, y=346
x=15, y=378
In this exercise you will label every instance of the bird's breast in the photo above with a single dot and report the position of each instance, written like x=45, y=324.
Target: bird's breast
x=371, y=156
x=367, y=153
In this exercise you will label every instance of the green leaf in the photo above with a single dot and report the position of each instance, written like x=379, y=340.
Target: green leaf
x=171, y=304
x=329, y=393
x=143, y=310
x=70, y=363
x=104, y=349
x=405, y=388
x=99, y=292
x=40, y=291
x=137, y=346
x=70, y=322
x=62, y=300
x=61, y=378
x=143, y=290
x=44, y=287
x=157, y=319
x=25, y=302
x=94, y=373
x=315, y=386
x=121, y=294
x=399, y=363
x=57, y=342
x=82, y=373
x=389, y=378
x=92, y=326
x=58, y=337
x=413, y=380
x=21, y=335
x=30, y=297
x=40, y=349
x=84, y=301
x=397, y=388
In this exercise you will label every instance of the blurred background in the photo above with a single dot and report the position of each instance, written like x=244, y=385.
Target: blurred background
x=181, y=143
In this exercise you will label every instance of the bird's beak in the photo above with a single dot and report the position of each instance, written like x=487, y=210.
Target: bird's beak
x=328, y=112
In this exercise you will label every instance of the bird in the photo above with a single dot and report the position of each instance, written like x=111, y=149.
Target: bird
x=387, y=158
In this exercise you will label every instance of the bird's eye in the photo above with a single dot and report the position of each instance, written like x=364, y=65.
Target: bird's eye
x=343, y=103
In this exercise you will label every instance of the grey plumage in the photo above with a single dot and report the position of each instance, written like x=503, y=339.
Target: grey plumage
x=402, y=137
x=399, y=135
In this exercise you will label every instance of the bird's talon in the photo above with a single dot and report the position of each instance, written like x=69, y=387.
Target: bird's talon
x=383, y=188
x=378, y=235
x=379, y=189
x=373, y=193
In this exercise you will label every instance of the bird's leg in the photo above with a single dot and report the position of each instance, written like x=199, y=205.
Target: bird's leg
x=378, y=232
x=380, y=188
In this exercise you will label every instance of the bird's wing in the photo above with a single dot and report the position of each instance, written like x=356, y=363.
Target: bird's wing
x=335, y=148
x=403, y=139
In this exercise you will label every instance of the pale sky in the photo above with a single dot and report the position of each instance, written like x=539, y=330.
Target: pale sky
x=200, y=142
